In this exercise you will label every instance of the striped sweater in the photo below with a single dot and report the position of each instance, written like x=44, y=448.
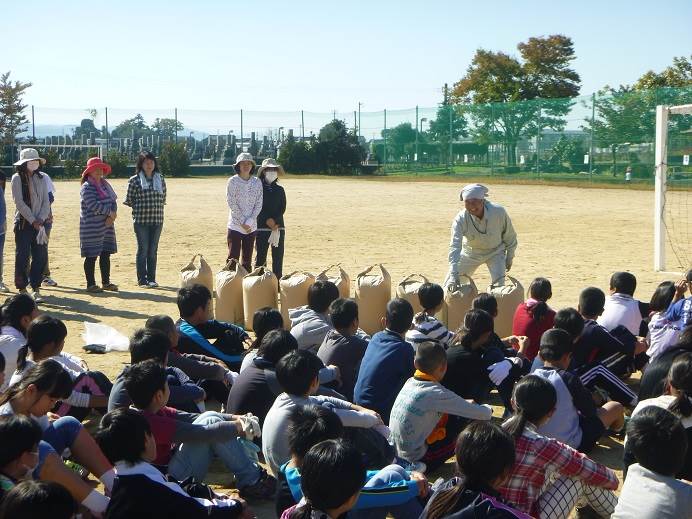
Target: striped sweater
x=428, y=328
x=95, y=237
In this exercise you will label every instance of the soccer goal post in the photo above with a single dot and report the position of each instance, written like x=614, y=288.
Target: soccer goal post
x=662, y=235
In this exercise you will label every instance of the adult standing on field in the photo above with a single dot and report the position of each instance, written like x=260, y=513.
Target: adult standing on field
x=244, y=196
x=146, y=195
x=270, y=222
x=482, y=233
x=97, y=213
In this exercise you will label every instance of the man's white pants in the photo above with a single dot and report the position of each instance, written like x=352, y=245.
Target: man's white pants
x=468, y=264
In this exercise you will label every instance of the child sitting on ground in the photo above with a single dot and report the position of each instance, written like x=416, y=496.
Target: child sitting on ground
x=389, y=490
x=210, y=373
x=297, y=373
x=484, y=460
x=577, y=478
x=264, y=321
x=621, y=309
x=154, y=345
x=659, y=443
x=677, y=400
x=533, y=317
x=311, y=323
x=680, y=311
x=388, y=361
x=576, y=421
x=662, y=334
x=38, y=499
x=19, y=439
x=324, y=497
x=45, y=339
x=427, y=417
x=426, y=327
x=140, y=490
x=197, y=330
x=187, y=442
x=342, y=347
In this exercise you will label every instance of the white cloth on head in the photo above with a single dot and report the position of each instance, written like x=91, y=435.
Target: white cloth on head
x=477, y=191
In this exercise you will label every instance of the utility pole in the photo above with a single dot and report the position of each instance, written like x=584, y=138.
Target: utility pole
x=359, y=105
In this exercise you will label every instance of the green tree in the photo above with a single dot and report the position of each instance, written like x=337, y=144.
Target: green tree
x=495, y=82
x=118, y=162
x=174, y=160
x=166, y=127
x=398, y=139
x=132, y=128
x=297, y=156
x=439, y=130
x=12, y=117
x=677, y=75
x=86, y=127
x=337, y=150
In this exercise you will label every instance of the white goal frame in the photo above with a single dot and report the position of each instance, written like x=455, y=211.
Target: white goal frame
x=661, y=164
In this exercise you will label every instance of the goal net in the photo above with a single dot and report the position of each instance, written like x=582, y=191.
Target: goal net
x=673, y=189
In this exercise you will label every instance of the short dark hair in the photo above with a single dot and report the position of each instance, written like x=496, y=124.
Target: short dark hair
x=31, y=499
x=555, y=343
x=309, y=425
x=265, y=320
x=430, y=355
x=276, y=344
x=122, y=435
x=143, y=380
x=658, y=440
x=343, y=312
x=321, y=294
x=623, y=283
x=399, y=315
x=148, y=344
x=41, y=331
x=144, y=155
x=297, y=370
x=591, y=302
x=161, y=322
x=18, y=434
x=486, y=302
x=430, y=295
x=570, y=320
x=662, y=297
x=191, y=298
x=688, y=276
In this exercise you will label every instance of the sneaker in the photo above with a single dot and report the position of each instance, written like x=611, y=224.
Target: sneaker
x=143, y=284
x=110, y=287
x=36, y=295
x=265, y=488
x=49, y=282
x=153, y=284
x=3, y=288
x=94, y=289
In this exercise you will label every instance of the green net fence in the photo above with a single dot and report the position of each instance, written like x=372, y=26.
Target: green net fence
x=588, y=137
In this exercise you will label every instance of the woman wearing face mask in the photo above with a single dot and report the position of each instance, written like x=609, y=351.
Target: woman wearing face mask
x=270, y=222
x=146, y=195
x=30, y=194
x=244, y=196
x=98, y=210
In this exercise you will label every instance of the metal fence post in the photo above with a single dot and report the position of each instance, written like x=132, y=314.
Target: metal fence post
x=384, y=134
x=415, y=157
x=176, y=126
x=538, y=141
x=449, y=154
x=302, y=126
x=490, y=144
x=108, y=133
x=33, y=125
x=241, y=131
x=593, y=119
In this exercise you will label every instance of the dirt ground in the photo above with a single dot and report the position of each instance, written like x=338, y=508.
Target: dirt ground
x=576, y=237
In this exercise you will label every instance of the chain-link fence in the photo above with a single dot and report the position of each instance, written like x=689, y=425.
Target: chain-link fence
x=592, y=137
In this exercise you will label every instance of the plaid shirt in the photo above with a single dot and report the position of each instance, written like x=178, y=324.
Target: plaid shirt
x=537, y=459
x=147, y=204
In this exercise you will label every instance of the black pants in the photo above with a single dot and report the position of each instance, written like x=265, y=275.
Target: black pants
x=104, y=265
x=26, y=251
x=262, y=244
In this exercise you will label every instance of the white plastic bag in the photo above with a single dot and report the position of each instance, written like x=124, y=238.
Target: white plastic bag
x=112, y=339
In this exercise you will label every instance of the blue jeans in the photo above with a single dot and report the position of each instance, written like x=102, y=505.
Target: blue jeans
x=193, y=459
x=59, y=436
x=147, y=249
x=389, y=474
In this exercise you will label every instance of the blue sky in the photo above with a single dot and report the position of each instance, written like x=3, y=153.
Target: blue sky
x=318, y=56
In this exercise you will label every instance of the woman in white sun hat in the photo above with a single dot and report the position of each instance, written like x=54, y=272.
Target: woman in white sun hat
x=244, y=196
x=30, y=194
x=270, y=222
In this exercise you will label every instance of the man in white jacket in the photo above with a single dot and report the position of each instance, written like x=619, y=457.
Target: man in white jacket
x=482, y=233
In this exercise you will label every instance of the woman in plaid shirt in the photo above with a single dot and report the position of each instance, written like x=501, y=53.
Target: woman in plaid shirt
x=146, y=195
x=550, y=478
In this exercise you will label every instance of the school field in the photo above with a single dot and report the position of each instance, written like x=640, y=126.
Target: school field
x=574, y=236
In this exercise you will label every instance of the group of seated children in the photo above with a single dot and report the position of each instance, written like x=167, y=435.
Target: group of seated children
x=348, y=423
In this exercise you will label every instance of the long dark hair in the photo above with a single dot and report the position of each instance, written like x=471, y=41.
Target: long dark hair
x=144, y=155
x=265, y=320
x=541, y=290
x=680, y=378
x=476, y=323
x=662, y=297
x=534, y=397
x=484, y=452
x=322, y=462
x=41, y=331
x=49, y=378
x=16, y=307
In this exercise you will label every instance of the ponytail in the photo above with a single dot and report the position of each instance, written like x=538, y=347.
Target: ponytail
x=541, y=290
x=15, y=308
x=443, y=502
x=680, y=379
x=41, y=331
x=539, y=311
x=515, y=426
x=303, y=511
x=476, y=323
x=534, y=398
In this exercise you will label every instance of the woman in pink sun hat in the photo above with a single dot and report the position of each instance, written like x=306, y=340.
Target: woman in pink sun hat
x=97, y=214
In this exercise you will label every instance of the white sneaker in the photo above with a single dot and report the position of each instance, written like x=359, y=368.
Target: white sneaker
x=36, y=295
x=153, y=284
x=49, y=282
x=3, y=288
